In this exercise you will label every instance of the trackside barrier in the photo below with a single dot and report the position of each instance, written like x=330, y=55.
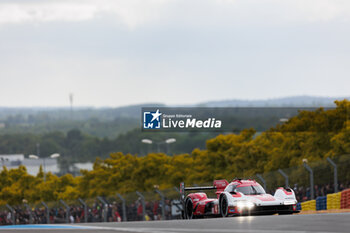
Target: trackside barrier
x=309, y=205
x=345, y=199
x=333, y=201
x=321, y=203
x=298, y=206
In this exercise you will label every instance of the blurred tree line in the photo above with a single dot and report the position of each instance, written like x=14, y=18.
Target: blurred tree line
x=99, y=122
x=75, y=146
x=43, y=124
x=309, y=135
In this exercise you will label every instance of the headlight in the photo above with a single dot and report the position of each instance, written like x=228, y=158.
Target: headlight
x=289, y=202
x=241, y=204
x=245, y=204
x=250, y=204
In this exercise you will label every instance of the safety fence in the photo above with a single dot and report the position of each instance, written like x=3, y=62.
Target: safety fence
x=137, y=206
x=311, y=179
x=318, y=186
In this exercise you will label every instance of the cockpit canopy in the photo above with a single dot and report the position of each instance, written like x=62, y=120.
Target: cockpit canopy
x=246, y=189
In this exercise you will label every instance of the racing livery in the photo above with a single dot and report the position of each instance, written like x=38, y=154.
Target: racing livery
x=240, y=197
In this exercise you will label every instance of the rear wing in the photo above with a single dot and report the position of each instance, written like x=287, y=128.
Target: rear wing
x=220, y=185
x=183, y=189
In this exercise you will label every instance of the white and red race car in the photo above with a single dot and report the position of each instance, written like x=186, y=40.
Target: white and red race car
x=240, y=197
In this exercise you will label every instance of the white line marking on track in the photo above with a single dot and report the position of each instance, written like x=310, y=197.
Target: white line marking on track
x=177, y=230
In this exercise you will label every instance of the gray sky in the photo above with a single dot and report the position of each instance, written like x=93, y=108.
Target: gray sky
x=114, y=53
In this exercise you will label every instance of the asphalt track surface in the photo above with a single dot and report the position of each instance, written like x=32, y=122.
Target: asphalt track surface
x=339, y=222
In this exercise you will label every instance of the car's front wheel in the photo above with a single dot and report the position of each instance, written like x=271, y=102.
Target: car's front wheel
x=223, y=206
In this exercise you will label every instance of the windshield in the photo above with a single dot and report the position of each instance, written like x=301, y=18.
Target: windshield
x=230, y=188
x=251, y=190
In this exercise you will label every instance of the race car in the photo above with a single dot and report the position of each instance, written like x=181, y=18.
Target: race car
x=240, y=197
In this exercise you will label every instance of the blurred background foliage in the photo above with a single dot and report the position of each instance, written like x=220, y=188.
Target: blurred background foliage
x=309, y=135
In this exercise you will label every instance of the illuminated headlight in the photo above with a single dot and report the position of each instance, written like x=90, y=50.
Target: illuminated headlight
x=245, y=204
x=240, y=204
x=250, y=205
x=289, y=202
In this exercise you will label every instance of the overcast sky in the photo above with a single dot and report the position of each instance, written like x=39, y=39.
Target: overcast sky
x=114, y=53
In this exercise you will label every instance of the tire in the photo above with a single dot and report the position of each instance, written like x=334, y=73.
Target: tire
x=223, y=206
x=188, y=208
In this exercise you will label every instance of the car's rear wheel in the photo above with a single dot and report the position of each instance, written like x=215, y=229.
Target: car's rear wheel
x=188, y=208
x=223, y=206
